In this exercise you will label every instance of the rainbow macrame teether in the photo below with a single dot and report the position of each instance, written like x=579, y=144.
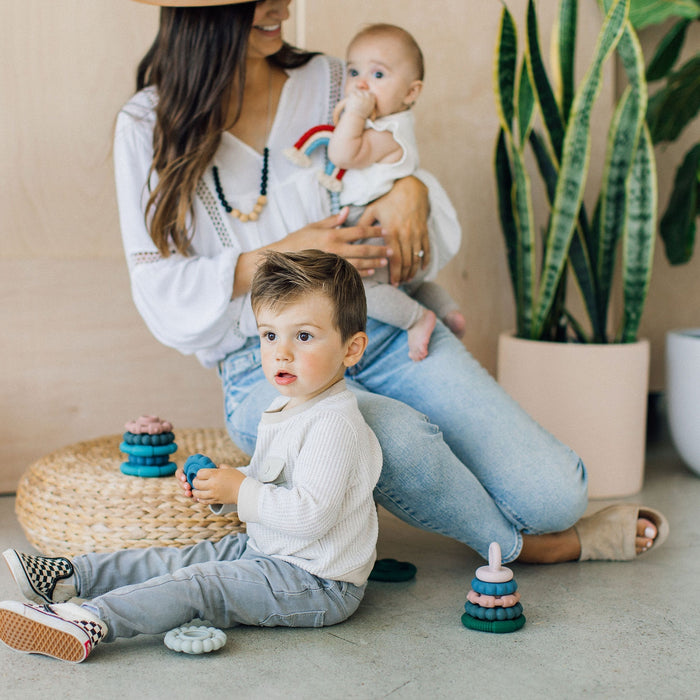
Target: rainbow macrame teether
x=331, y=177
x=493, y=603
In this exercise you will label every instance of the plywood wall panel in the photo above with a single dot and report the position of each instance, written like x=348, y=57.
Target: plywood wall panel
x=78, y=362
x=65, y=69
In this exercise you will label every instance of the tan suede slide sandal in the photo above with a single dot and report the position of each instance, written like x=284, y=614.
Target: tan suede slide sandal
x=610, y=533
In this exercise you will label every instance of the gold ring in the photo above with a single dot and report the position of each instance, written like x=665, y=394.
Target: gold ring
x=419, y=254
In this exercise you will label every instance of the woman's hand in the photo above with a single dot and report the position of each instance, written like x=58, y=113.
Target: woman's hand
x=217, y=485
x=403, y=215
x=327, y=235
x=323, y=235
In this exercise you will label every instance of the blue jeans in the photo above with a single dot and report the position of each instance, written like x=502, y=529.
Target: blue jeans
x=227, y=583
x=461, y=458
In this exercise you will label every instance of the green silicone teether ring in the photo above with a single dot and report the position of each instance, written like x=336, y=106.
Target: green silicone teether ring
x=497, y=626
x=392, y=570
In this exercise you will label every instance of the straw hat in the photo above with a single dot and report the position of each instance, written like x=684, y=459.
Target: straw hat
x=191, y=3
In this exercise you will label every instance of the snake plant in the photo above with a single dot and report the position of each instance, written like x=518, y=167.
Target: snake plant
x=624, y=216
x=673, y=107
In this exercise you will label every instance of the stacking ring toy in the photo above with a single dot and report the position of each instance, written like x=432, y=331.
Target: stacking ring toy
x=195, y=639
x=493, y=603
x=392, y=570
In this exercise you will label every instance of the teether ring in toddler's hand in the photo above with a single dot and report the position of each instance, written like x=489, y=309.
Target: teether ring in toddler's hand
x=194, y=463
x=194, y=639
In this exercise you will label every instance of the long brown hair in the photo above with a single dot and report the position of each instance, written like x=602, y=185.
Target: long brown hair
x=197, y=58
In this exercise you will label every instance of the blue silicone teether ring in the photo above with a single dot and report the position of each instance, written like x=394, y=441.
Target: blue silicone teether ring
x=194, y=463
x=486, y=588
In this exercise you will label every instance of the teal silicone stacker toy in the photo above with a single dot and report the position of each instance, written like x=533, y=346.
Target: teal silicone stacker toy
x=493, y=603
x=148, y=442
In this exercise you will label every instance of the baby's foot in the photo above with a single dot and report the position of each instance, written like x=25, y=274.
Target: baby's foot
x=419, y=336
x=454, y=320
x=646, y=534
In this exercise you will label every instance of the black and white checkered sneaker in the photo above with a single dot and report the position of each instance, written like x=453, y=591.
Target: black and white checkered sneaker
x=41, y=579
x=65, y=630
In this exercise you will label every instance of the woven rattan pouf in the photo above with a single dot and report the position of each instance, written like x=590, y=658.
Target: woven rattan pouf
x=77, y=500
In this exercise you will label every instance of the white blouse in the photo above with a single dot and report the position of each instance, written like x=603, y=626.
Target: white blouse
x=186, y=300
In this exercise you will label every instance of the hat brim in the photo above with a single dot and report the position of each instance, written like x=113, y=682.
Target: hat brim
x=191, y=3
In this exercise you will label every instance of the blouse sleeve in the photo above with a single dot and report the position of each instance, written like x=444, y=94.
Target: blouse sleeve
x=443, y=226
x=185, y=301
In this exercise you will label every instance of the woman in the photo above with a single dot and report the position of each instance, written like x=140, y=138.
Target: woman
x=220, y=97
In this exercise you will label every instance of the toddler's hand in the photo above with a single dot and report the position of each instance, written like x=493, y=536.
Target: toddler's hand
x=218, y=485
x=183, y=483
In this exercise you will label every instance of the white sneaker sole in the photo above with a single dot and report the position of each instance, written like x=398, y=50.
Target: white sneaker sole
x=37, y=632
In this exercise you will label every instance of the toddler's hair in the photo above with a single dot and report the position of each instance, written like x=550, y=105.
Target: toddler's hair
x=284, y=278
x=382, y=29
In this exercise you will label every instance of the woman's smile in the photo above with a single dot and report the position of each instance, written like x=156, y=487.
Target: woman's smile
x=269, y=29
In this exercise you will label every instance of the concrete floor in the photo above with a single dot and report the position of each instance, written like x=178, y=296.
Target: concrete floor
x=594, y=630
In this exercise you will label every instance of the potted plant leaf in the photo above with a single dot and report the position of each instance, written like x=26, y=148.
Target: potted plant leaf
x=585, y=383
x=672, y=108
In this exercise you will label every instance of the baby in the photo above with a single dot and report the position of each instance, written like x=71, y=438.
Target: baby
x=374, y=140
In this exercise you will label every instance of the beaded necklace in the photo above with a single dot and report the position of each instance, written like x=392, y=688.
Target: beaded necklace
x=262, y=197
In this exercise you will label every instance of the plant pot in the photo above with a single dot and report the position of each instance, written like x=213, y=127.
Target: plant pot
x=683, y=393
x=592, y=397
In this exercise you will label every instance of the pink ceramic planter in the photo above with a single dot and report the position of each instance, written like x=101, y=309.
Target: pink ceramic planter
x=591, y=397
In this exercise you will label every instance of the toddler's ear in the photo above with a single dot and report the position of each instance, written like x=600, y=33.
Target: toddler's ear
x=413, y=93
x=356, y=347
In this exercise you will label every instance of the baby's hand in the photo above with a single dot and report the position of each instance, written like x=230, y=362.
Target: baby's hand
x=360, y=102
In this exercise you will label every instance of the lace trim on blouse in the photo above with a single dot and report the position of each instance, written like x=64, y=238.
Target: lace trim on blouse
x=337, y=71
x=213, y=209
x=146, y=257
